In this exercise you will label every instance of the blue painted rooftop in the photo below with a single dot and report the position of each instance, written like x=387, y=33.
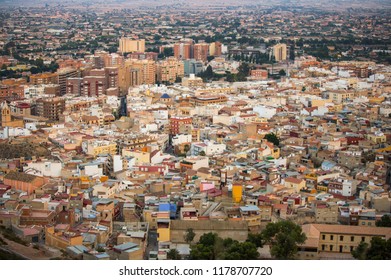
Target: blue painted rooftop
x=164, y=207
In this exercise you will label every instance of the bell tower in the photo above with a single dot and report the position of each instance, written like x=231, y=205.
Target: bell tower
x=5, y=114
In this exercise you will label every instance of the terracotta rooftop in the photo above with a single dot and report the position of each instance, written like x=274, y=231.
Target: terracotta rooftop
x=19, y=176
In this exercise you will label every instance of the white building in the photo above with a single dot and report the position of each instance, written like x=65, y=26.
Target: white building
x=44, y=168
x=181, y=139
x=265, y=112
x=14, y=132
x=208, y=147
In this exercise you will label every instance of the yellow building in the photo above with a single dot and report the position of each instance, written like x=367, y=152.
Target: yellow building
x=237, y=191
x=336, y=241
x=130, y=45
x=101, y=147
x=59, y=237
x=192, y=81
x=377, y=138
x=279, y=52
x=170, y=69
x=163, y=230
x=136, y=72
x=340, y=97
x=295, y=183
x=141, y=157
x=6, y=119
x=150, y=217
x=252, y=215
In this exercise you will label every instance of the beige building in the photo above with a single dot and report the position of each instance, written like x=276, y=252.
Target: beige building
x=136, y=72
x=279, y=52
x=169, y=70
x=130, y=45
x=336, y=241
x=340, y=97
x=192, y=81
x=325, y=213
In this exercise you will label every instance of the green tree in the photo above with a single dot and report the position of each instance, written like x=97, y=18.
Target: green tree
x=240, y=251
x=384, y=222
x=189, y=235
x=272, y=137
x=168, y=52
x=244, y=68
x=178, y=79
x=208, y=248
x=360, y=252
x=284, y=238
x=256, y=239
x=173, y=254
x=212, y=247
x=210, y=58
x=379, y=249
x=292, y=52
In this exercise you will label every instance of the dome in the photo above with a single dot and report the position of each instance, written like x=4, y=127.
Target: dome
x=165, y=96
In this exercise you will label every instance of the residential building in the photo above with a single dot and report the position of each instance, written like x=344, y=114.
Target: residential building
x=280, y=52
x=51, y=108
x=127, y=45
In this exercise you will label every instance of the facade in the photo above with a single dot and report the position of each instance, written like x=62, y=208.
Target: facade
x=136, y=72
x=177, y=122
x=11, y=92
x=127, y=45
x=63, y=75
x=59, y=237
x=6, y=119
x=94, y=85
x=44, y=79
x=337, y=241
x=215, y=49
x=112, y=79
x=74, y=86
x=201, y=51
x=280, y=52
x=24, y=182
x=183, y=50
x=258, y=74
x=204, y=100
x=51, y=108
x=169, y=70
x=192, y=66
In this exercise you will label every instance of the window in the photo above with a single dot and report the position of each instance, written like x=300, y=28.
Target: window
x=323, y=237
x=351, y=238
x=363, y=239
x=341, y=238
x=331, y=247
x=340, y=248
x=351, y=248
x=331, y=237
x=323, y=247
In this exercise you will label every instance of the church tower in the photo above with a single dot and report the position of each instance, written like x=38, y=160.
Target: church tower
x=5, y=114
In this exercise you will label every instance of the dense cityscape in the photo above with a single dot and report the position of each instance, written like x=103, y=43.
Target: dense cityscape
x=221, y=130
